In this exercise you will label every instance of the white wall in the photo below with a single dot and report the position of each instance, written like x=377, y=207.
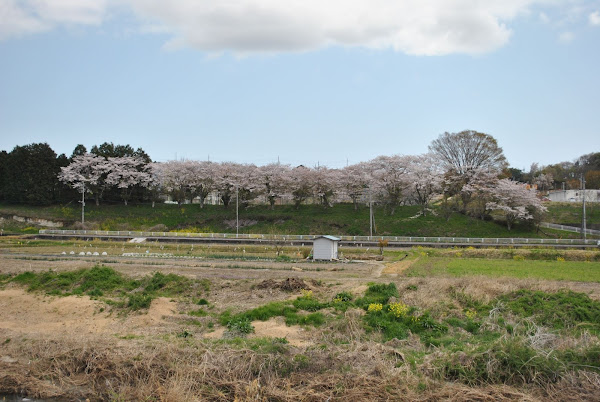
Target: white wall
x=324, y=249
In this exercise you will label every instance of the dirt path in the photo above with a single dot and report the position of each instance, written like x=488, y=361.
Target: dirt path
x=397, y=268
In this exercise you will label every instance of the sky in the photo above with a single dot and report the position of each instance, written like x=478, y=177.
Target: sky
x=301, y=81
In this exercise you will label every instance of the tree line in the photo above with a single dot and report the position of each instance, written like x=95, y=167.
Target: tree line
x=29, y=173
x=466, y=171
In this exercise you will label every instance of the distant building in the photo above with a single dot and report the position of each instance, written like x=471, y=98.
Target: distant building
x=325, y=248
x=574, y=195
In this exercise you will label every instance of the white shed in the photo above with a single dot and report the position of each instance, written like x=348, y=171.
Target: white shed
x=325, y=248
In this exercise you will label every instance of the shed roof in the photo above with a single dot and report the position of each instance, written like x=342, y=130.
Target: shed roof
x=332, y=238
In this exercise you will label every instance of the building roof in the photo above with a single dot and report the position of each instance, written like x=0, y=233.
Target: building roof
x=332, y=238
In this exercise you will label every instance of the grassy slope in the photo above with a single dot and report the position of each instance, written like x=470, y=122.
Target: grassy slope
x=570, y=213
x=308, y=219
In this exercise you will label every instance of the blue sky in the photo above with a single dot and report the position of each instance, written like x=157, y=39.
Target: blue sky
x=305, y=82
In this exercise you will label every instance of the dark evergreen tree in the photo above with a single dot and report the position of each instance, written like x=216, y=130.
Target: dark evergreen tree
x=31, y=175
x=79, y=150
x=3, y=160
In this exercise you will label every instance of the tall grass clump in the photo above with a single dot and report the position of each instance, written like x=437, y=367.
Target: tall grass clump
x=378, y=293
x=561, y=310
x=105, y=281
x=94, y=282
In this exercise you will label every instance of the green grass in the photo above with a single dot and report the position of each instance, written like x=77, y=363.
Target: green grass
x=563, y=309
x=102, y=281
x=341, y=219
x=570, y=213
x=377, y=293
x=551, y=270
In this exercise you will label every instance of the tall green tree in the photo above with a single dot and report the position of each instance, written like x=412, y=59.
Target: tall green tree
x=79, y=150
x=3, y=161
x=31, y=175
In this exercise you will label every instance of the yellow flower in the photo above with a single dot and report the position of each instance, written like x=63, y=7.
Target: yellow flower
x=373, y=307
x=399, y=309
x=470, y=314
x=308, y=294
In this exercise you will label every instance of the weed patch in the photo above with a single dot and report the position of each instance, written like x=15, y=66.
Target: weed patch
x=101, y=281
x=563, y=309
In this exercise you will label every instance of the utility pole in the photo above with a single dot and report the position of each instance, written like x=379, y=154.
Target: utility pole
x=370, y=214
x=583, y=223
x=237, y=217
x=82, y=205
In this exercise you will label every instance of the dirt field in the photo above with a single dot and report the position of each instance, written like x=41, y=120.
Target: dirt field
x=76, y=347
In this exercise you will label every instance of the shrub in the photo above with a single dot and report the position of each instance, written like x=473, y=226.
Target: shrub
x=138, y=301
x=240, y=325
x=343, y=297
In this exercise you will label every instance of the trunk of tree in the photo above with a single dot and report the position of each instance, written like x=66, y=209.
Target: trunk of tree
x=226, y=200
x=125, y=201
x=153, y=202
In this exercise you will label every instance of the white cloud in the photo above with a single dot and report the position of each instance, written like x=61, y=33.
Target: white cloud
x=544, y=18
x=566, y=37
x=419, y=27
x=22, y=17
x=86, y=12
x=594, y=18
x=16, y=21
x=422, y=27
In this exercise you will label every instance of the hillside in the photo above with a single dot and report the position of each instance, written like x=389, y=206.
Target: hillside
x=341, y=219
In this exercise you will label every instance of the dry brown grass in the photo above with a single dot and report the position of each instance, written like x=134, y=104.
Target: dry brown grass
x=102, y=368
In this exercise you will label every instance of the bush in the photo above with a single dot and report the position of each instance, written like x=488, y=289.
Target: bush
x=240, y=325
x=139, y=301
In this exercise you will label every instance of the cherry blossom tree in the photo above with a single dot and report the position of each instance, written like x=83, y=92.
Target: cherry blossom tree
x=389, y=177
x=325, y=184
x=155, y=185
x=275, y=181
x=301, y=184
x=354, y=180
x=475, y=193
x=176, y=178
x=515, y=201
x=84, y=174
x=544, y=181
x=203, y=182
x=423, y=179
x=126, y=173
x=234, y=179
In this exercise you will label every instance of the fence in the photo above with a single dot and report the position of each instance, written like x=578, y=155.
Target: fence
x=310, y=238
x=569, y=228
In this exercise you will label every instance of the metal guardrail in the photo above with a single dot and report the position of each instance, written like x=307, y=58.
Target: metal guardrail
x=574, y=229
x=269, y=237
